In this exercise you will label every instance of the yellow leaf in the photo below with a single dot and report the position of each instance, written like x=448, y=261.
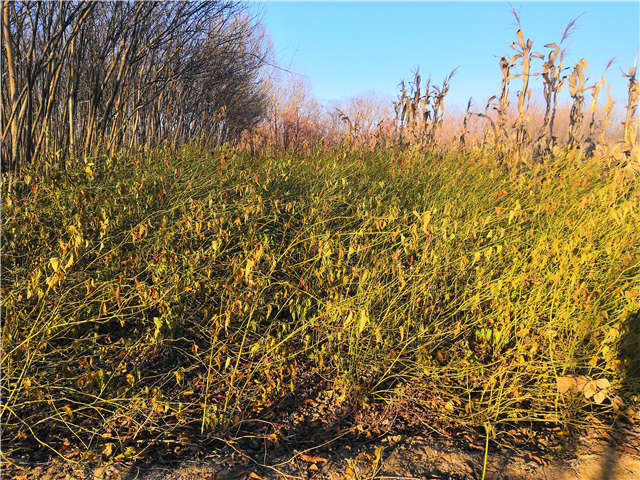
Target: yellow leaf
x=179, y=376
x=108, y=449
x=600, y=396
x=55, y=263
x=362, y=321
x=590, y=389
x=130, y=452
x=378, y=333
x=378, y=453
x=571, y=384
x=426, y=218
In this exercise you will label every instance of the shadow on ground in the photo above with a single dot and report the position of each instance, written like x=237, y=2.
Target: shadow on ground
x=319, y=433
x=622, y=436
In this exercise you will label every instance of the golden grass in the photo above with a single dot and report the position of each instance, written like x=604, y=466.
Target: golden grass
x=181, y=294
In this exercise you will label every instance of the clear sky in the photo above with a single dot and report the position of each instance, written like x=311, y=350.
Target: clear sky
x=350, y=48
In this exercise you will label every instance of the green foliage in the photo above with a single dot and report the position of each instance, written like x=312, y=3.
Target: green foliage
x=140, y=296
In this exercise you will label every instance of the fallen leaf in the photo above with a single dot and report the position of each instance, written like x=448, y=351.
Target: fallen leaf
x=617, y=403
x=571, y=384
x=580, y=383
x=565, y=384
x=600, y=396
x=108, y=449
x=590, y=389
x=312, y=459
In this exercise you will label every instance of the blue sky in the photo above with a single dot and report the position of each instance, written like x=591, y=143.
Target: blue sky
x=350, y=48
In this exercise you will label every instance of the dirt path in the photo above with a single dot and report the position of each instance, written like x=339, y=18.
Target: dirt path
x=394, y=457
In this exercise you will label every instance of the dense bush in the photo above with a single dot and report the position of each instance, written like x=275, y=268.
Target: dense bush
x=142, y=296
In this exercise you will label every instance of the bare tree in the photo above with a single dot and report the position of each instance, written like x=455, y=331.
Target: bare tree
x=88, y=78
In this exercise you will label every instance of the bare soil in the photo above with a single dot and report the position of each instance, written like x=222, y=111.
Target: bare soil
x=610, y=456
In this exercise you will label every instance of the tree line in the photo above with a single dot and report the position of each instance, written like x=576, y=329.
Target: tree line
x=86, y=78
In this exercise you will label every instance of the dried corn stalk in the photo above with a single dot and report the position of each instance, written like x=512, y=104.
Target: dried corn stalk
x=553, y=81
x=465, y=124
x=503, y=104
x=631, y=118
x=486, y=116
x=608, y=108
x=523, y=58
x=576, y=89
x=438, y=105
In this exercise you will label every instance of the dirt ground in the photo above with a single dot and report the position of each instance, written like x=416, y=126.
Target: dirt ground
x=613, y=456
